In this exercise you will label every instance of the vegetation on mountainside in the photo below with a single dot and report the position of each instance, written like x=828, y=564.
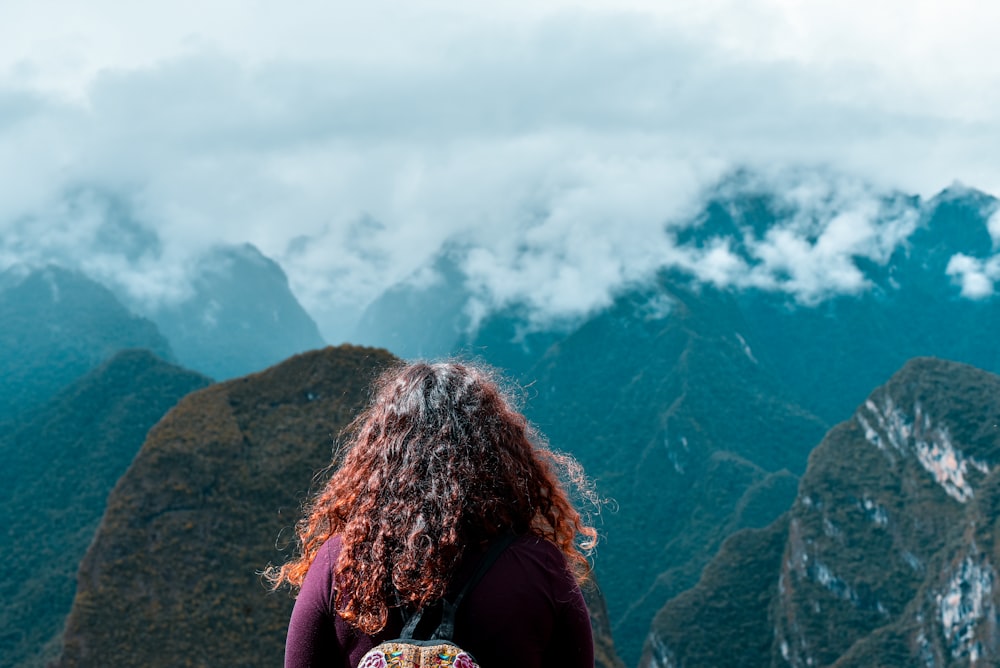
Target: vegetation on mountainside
x=58, y=470
x=723, y=620
x=680, y=426
x=173, y=573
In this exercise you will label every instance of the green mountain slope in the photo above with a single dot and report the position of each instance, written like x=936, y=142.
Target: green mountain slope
x=666, y=406
x=58, y=469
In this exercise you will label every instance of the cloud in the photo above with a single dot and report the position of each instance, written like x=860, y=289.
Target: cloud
x=993, y=225
x=824, y=222
x=351, y=143
x=976, y=276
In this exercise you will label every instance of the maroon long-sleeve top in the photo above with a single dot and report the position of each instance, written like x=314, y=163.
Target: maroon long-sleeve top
x=526, y=611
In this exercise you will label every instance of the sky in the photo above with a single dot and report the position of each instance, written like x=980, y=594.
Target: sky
x=557, y=140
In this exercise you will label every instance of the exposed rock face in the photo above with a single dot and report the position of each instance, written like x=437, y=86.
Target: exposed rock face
x=58, y=469
x=888, y=556
x=172, y=577
x=56, y=326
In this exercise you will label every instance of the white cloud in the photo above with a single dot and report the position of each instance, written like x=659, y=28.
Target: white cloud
x=559, y=137
x=977, y=277
x=717, y=264
x=813, y=256
x=993, y=225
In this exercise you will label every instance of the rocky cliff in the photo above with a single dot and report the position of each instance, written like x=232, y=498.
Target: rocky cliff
x=888, y=555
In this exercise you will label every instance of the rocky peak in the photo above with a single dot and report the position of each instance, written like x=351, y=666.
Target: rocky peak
x=887, y=556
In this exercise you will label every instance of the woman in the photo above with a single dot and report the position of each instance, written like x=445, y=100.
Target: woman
x=438, y=468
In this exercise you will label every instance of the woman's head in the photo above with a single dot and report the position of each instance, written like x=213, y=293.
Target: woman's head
x=439, y=461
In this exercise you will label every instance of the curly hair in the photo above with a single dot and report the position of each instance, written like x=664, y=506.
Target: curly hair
x=438, y=462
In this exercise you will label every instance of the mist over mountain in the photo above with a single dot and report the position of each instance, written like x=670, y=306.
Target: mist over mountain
x=424, y=317
x=58, y=469
x=887, y=556
x=832, y=353
x=239, y=317
x=795, y=240
x=226, y=309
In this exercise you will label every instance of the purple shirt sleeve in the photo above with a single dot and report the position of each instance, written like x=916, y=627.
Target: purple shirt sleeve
x=312, y=634
x=527, y=611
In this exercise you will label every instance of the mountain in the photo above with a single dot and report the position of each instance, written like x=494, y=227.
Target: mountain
x=605, y=652
x=845, y=345
x=172, y=573
x=58, y=469
x=57, y=326
x=817, y=355
x=172, y=576
x=240, y=317
x=888, y=555
x=423, y=317
x=664, y=404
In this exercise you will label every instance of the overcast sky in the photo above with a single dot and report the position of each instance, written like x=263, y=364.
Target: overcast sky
x=348, y=141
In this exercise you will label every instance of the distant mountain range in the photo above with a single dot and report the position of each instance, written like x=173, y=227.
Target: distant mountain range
x=57, y=326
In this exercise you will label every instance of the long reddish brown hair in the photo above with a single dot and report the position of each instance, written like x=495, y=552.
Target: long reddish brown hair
x=438, y=462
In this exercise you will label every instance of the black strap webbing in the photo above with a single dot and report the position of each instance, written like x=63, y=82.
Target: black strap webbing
x=446, y=629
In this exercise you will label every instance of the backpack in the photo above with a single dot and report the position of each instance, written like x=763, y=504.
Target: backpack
x=438, y=651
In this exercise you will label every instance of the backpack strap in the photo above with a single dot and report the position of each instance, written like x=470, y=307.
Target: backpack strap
x=446, y=629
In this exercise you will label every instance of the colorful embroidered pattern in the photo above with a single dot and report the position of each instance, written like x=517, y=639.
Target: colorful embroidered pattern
x=405, y=655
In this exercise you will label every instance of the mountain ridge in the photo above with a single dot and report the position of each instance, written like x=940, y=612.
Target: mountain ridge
x=58, y=325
